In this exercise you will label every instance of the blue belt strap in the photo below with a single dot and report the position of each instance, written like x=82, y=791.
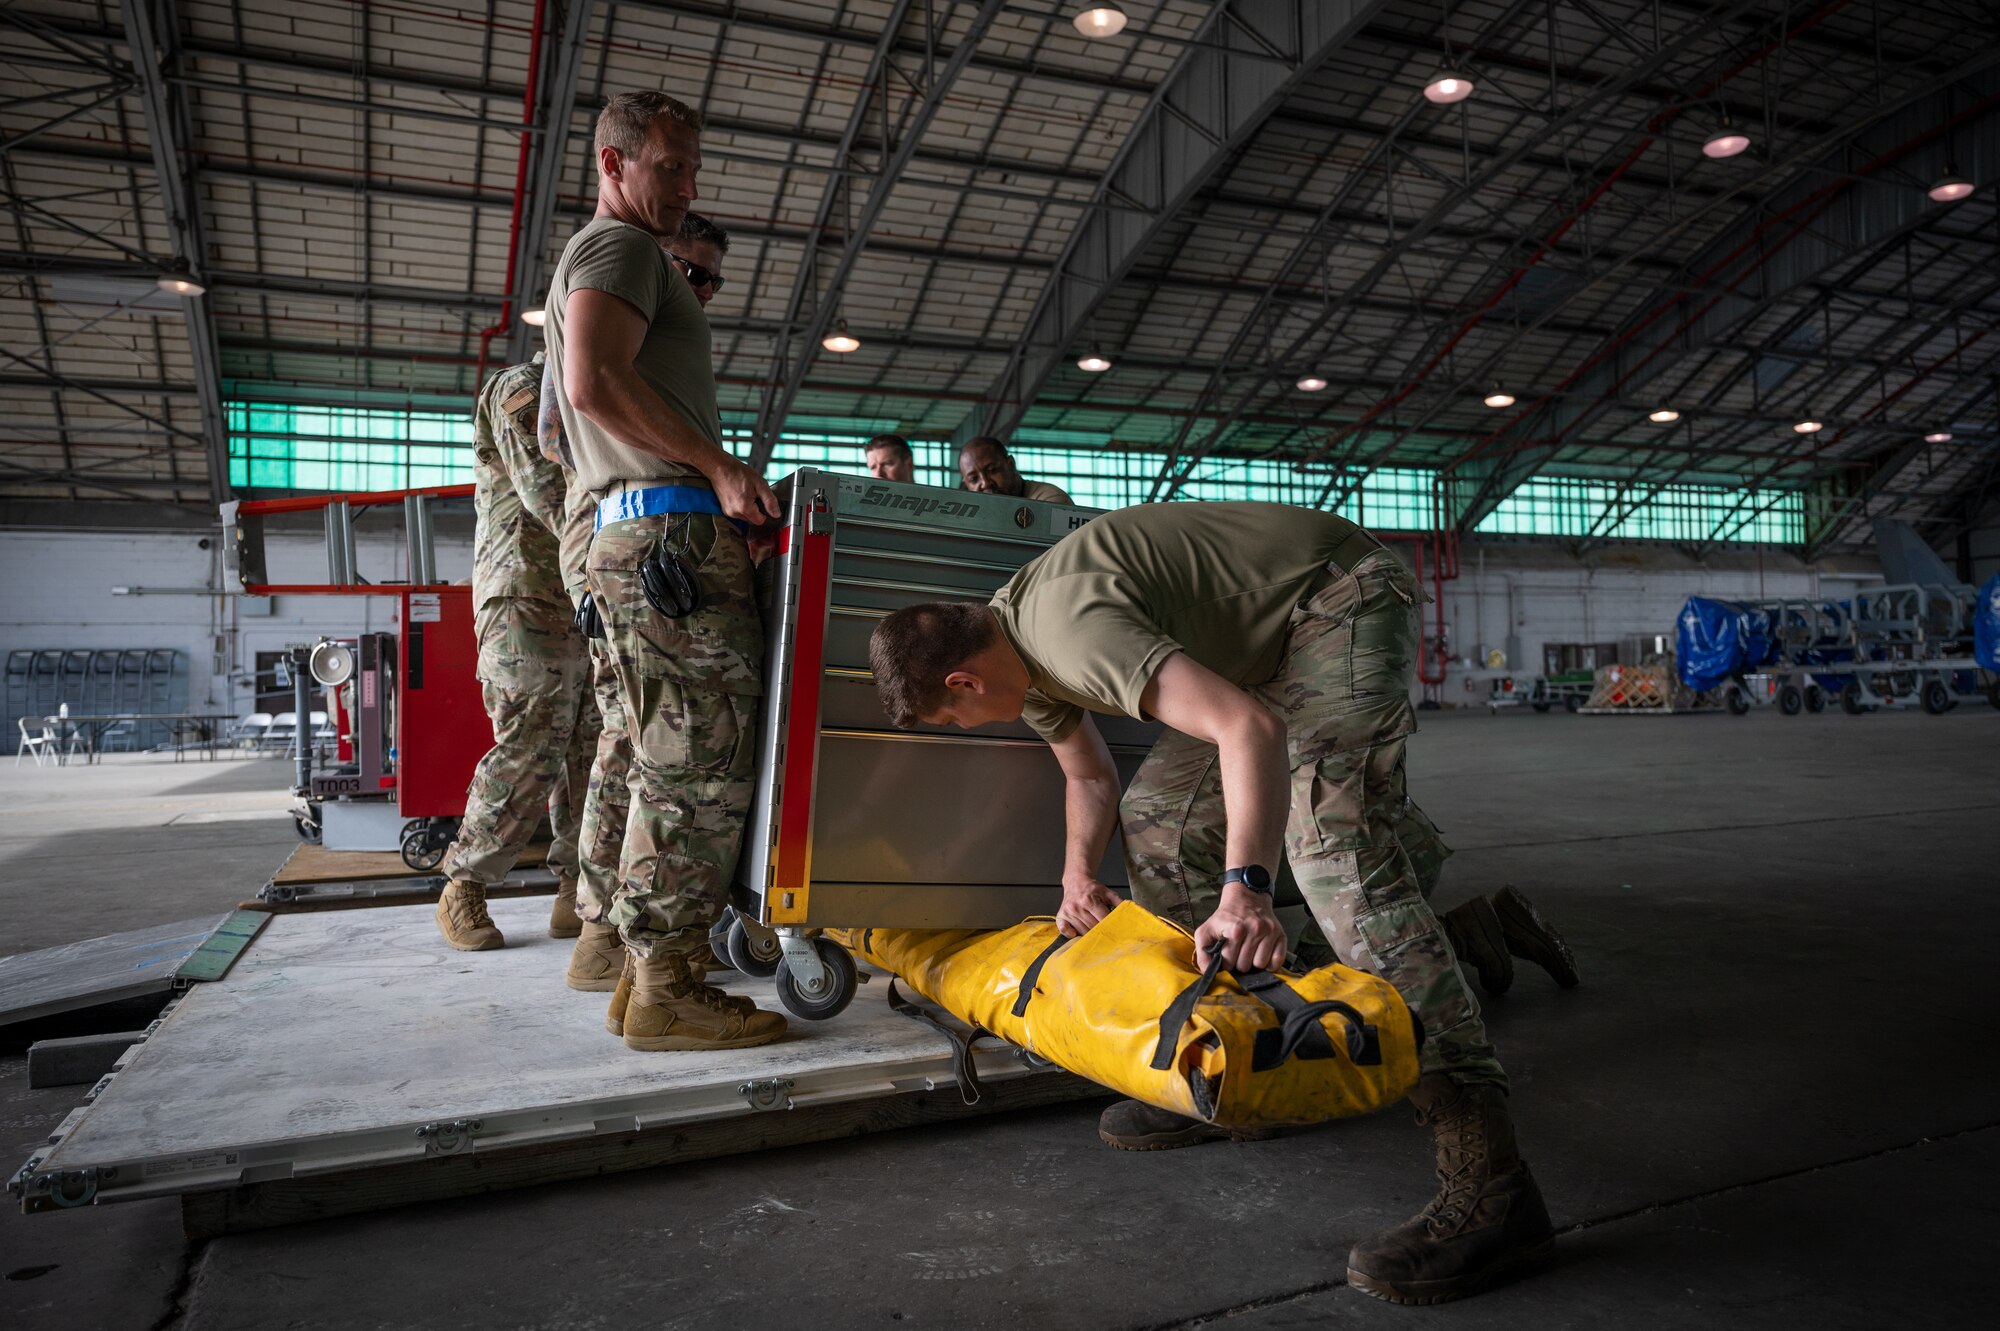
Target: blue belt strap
x=656, y=500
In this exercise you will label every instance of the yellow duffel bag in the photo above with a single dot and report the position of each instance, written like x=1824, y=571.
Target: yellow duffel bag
x=1129, y=1006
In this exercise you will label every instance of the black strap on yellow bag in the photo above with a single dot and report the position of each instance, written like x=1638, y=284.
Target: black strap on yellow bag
x=1298, y=1032
x=963, y=1070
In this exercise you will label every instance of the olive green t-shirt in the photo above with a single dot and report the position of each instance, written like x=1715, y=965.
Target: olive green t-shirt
x=611, y=256
x=1095, y=616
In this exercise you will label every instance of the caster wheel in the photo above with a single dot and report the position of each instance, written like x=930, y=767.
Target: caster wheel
x=836, y=987
x=1815, y=698
x=1539, y=706
x=1935, y=697
x=1738, y=704
x=1572, y=703
x=757, y=954
x=1850, y=701
x=1791, y=700
x=425, y=841
x=1993, y=695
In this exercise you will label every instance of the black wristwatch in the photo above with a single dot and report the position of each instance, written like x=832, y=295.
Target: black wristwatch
x=1253, y=876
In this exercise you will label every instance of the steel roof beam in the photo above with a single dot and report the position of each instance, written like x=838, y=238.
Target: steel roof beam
x=732, y=17
x=1218, y=95
x=152, y=29
x=909, y=126
x=555, y=106
x=1811, y=235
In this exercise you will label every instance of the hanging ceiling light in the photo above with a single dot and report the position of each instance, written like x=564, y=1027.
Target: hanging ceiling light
x=1311, y=383
x=1093, y=363
x=1951, y=186
x=1103, y=19
x=1499, y=397
x=1938, y=437
x=1727, y=141
x=1450, y=84
x=1664, y=416
x=533, y=318
x=840, y=341
x=180, y=284
x=1808, y=427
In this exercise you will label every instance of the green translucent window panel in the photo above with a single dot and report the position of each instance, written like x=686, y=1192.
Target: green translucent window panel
x=307, y=447
x=1576, y=507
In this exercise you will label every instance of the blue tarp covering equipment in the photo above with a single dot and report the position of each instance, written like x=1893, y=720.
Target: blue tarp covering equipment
x=1718, y=639
x=1986, y=624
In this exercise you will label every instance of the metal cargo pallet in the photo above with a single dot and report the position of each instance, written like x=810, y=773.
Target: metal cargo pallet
x=351, y=1061
x=103, y=970
x=858, y=824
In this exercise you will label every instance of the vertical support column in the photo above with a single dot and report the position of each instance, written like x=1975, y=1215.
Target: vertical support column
x=340, y=544
x=418, y=538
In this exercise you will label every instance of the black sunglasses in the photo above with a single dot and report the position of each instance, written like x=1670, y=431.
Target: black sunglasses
x=697, y=275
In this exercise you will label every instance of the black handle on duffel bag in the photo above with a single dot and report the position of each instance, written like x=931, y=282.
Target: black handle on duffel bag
x=1298, y=1030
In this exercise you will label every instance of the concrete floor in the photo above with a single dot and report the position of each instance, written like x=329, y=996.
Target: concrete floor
x=1772, y=1103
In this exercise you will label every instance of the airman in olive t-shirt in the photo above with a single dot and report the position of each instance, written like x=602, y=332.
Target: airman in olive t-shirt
x=1287, y=639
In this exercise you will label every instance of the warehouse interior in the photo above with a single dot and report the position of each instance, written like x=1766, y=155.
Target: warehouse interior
x=1618, y=320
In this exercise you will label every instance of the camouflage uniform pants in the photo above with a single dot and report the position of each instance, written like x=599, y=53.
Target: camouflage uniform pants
x=604, y=754
x=1175, y=853
x=688, y=691
x=531, y=675
x=608, y=806
x=1364, y=855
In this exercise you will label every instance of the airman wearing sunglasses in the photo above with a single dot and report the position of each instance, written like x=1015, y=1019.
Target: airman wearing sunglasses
x=697, y=250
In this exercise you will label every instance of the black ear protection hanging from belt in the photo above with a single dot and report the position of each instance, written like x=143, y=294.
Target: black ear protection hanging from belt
x=671, y=584
x=589, y=622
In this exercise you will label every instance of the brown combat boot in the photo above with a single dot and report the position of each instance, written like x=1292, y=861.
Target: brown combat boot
x=564, y=922
x=1487, y=1220
x=1134, y=1125
x=1532, y=938
x=596, y=961
x=462, y=918
x=1480, y=941
x=672, y=1009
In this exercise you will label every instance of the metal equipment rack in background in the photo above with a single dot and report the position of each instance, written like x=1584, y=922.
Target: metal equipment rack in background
x=1889, y=646
x=856, y=823
x=422, y=727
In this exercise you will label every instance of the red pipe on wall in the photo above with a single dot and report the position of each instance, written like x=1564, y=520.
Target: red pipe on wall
x=500, y=326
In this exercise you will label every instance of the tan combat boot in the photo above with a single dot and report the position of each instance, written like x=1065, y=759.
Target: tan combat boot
x=596, y=960
x=621, y=997
x=671, y=1009
x=462, y=918
x=563, y=919
x=1480, y=941
x=1487, y=1220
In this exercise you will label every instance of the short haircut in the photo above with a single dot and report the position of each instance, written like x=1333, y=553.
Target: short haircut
x=699, y=230
x=983, y=439
x=913, y=650
x=890, y=441
x=628, y=118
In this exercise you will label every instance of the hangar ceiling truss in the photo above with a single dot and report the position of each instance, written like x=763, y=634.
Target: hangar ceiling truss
x=1223, y=199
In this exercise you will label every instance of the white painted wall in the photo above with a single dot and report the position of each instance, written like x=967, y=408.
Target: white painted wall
x=57, y=593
